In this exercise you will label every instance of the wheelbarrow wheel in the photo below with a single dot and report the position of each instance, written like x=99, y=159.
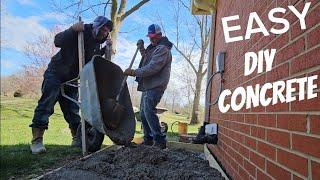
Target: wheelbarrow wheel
x=94, y=138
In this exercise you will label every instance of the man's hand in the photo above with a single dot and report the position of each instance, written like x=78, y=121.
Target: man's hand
x=129, y=72
x=79, y=26
x=140, y=43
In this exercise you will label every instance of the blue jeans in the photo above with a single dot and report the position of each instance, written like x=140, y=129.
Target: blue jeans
x=51, y=94
x=149, y=118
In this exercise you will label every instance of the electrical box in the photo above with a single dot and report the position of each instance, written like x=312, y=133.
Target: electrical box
x=220, y=62
x=211, y=129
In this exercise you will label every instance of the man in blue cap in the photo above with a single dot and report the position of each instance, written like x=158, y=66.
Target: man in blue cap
x=153, y=77
x=64, y=66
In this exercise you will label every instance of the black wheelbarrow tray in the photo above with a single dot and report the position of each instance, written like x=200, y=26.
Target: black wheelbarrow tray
x=100, y=80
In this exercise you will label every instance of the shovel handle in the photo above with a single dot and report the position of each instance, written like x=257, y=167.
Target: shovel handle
x=81, y=63
x=124, y=81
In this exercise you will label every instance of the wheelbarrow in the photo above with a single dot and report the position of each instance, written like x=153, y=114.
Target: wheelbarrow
x=101, y=80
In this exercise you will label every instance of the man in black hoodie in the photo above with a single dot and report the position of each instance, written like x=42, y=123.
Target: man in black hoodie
x=153, y=77
x=64, y=66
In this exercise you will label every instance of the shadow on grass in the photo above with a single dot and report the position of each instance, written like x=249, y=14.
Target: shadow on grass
x=172, y=136
x=18, y=162
x=30, y=112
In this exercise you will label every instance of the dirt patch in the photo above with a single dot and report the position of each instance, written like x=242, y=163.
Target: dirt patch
x=139, y=162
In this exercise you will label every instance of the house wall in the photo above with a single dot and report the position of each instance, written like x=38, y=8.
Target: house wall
x=280, y=141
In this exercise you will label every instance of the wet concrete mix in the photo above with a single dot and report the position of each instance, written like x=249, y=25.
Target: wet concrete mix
x=139, y=162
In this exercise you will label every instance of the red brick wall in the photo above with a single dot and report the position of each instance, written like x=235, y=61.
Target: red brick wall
x=273, y=142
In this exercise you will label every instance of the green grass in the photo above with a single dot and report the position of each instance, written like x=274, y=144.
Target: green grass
x=16, y=159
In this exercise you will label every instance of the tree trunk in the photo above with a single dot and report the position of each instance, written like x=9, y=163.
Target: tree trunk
x=196, y=101
x=172, y=106
x=114, y=35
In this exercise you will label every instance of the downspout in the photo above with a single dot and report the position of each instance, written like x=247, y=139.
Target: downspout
x=211, y=58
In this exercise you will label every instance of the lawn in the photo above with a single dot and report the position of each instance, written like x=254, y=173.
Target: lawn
x=16, y=159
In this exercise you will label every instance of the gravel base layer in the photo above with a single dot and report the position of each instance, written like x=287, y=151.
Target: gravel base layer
x=139, y=162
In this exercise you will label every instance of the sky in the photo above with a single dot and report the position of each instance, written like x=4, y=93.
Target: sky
x=24, y=21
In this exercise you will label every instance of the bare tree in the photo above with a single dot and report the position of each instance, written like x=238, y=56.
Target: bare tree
x=39, y=53
x=118, y=13
x=195, y=52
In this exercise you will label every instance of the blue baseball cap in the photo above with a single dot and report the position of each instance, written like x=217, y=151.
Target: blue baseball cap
x=154, y=30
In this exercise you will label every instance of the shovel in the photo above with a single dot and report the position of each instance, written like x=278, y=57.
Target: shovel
x=112, y=111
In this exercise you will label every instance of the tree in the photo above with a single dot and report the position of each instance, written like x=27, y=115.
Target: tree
x=195, y=53
x=39, y=53
x=118, y=13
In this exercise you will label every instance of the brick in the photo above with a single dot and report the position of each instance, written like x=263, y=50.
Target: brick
x=292, y=122
x=234, y=164
x=244, y=128
x=296, y=178
x=278, y=137
x=250, y=118
x=296, y=30
x=268, y=120
x=278, y=73
x=279, y=41
x=305, y=61
x=258, y=109
x=239, y=137
x=250, y=142
x=289, y=15
x=293, y=2
x=306, y=144
x=313, y=17
x=244, y=151
x=315, y=168
x=235, y=145
x=317, y=81
x=315, y=124
x=313, y=38
x=267, y=150
x=313, y=3
x=257, y=159
x=262, y=176
x=290, y=51
x=279, y=107
x=306, y=104
x=292, y=161
x=250, y=168
x=238, y=158
x=258, y=132
x=277, y=172
x=243, y=173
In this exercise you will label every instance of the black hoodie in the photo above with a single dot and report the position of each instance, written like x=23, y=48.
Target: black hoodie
x=65, y=64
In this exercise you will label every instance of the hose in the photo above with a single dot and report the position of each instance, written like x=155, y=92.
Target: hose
x=220, y=87
x=172, y=125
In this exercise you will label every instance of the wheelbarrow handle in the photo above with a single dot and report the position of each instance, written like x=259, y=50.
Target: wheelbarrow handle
x=124, y=81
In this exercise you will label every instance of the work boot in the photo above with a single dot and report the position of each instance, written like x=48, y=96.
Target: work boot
x=147, y=143
x=161, y=145
x=37, y=146
x=201, y=136
x=75, y=140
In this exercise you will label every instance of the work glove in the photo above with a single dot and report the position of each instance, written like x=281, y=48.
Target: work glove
x=79, y=26
x=140, y=44
x=129, y=72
